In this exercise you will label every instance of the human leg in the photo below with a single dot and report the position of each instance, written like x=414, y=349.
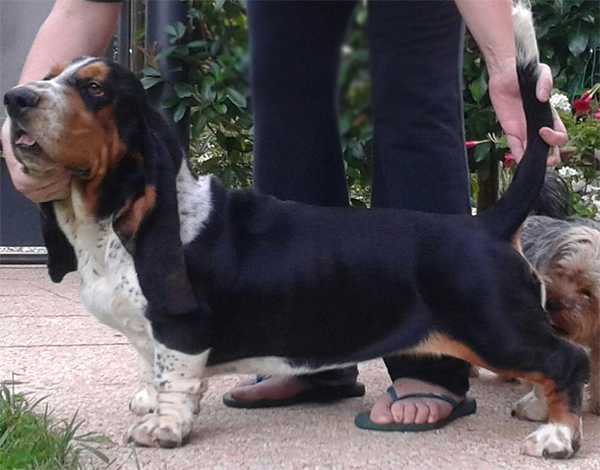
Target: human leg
x=420, y=164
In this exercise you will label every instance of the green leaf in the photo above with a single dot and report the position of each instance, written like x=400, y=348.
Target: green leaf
x=179, y=112
x=236, y=98
x=149, y=82
x=166, y=52
x=179, y=29
x=208, y=93
x=475, y=89
x=219, y=4
x=578, y=42
x=196, y=44
x=184, y=90
x=194, y=13
x=181, y=51
x=482, y=152
x=480, y=89
x=170, y=103
x=221, y=108
x=171, y=31
x=150, y=72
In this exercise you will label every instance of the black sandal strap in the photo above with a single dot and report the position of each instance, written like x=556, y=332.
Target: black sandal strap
x=391, y=391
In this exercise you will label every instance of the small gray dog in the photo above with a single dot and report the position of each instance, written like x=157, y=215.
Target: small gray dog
x=565, y=252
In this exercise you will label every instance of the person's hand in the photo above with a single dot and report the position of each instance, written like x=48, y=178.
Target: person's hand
x=506, y=99
x=51, y=185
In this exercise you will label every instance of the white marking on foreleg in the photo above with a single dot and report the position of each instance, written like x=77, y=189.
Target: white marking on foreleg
x=145, y=399
x=178, y=378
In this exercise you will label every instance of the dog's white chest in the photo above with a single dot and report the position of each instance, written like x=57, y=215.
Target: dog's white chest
x=109, y=285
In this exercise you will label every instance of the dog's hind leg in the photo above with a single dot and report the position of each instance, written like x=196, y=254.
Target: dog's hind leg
x=536, y=355
x=180, y=386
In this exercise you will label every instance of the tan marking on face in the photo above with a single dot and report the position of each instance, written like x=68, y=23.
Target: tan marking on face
x=56, y=70
x=90, y=144
x=98, y=71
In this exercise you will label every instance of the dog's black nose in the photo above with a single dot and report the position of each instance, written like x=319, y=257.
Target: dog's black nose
x=20, y=98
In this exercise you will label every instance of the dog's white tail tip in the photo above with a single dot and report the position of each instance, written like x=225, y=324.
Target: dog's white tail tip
x=525, y=41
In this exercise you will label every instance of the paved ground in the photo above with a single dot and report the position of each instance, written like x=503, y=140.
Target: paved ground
x=55, y=348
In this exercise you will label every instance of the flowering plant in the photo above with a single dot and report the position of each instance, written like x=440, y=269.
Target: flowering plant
x=583, y=127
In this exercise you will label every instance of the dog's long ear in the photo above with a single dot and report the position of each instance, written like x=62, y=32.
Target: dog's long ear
x=61, y=257
x=148, y=226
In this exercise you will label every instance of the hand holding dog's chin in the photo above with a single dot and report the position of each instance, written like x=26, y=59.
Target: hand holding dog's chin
x=506, y=99
x=49, y=184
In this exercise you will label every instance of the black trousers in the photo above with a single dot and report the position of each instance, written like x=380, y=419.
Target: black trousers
x=419, y=163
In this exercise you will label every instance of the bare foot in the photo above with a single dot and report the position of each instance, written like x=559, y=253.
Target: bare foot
x=412, y=410
x=277, y=387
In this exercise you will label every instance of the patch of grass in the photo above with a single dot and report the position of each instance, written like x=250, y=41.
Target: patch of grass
x=30, y=439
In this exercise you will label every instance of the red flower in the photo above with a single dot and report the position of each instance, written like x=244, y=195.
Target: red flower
x=508, y=161
x=597, y=115
x=583, y=104
x=469, y=144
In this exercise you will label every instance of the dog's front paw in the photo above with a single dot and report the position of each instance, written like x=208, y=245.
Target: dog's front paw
x=554, y=441
x=159, y=431
x=144, y=401
x=531, y=408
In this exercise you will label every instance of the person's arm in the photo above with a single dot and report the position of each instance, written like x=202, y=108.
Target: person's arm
x=73, y=28
x=490, y=23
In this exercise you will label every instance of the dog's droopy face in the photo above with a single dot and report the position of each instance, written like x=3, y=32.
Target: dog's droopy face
x=78, y=117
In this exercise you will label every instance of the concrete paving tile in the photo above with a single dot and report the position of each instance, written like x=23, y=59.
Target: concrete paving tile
x=38, y=306
x=47, y=331
x=21, y=272
x=97, y=380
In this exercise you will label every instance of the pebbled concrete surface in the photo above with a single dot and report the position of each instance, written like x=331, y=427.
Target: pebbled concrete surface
x=55, y=349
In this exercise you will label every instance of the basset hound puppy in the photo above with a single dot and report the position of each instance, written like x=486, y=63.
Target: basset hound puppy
x=205, y=280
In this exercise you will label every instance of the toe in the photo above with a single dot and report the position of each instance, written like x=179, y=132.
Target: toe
x=380, y=413
x=423, y=411
x=434, y=412
x=410, y=412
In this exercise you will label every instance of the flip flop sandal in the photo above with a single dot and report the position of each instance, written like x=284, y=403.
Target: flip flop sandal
x=314, y=394
x=459, y=409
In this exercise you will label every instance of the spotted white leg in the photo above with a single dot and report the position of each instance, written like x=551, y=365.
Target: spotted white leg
x=178, y=378
x=532, y=407
x=145, y=399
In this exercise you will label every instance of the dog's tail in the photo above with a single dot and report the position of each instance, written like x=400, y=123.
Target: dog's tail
x=507, y=215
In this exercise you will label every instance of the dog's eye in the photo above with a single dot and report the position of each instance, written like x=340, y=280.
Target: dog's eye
x=95, y=89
